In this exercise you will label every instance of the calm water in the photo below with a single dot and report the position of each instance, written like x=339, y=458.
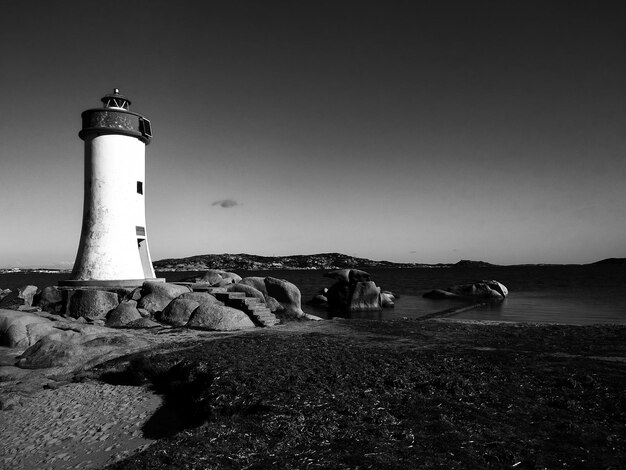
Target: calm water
x=564, y=294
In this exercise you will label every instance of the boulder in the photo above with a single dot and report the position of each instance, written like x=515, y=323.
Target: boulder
x=49, y=299
x=219, y=318
x=248, y=290
x=123, y=314
x=287, y=294
x=338, y=296
x=256, y=282
x=156, y=295
x=178, y=311
x=91, y=304
x=387, y=300
x=20, y=330
x=27, y=294
x=224, y=282
x=365, y=297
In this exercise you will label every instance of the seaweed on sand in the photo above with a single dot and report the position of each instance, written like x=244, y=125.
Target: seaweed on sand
x=445, y=396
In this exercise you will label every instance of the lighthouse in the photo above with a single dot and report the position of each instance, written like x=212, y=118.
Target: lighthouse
x=113, y=248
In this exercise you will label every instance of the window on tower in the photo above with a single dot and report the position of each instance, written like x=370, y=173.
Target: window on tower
x=139, y=187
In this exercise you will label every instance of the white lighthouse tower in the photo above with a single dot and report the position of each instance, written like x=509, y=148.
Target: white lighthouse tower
x=113, y=249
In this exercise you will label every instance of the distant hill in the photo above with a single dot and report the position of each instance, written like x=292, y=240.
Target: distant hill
x=317, y=261
x=611, y=262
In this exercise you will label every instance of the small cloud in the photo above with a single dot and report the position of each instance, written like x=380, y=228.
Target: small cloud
x=226, y=203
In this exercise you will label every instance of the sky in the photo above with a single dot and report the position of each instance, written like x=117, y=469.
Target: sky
x=408, y=131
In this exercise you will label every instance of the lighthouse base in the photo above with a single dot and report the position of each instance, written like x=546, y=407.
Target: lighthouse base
x=108, y=284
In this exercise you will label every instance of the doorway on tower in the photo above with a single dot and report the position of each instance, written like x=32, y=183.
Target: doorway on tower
x=142, y=244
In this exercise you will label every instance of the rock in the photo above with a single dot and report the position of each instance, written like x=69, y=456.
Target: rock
x=49, y=299
x=124, y=313
x=219, y=318
x=11, y=300
x=310, y=317
x=224, y=282
x=79, y=348
x=178, y=311
x=365, y=297
x=144, y=313
x=437, y=294
x=27, y=294
x=350, y=276
x=246, y=289
x=318, y=300
x=235, y=277
x=20, y=330
x=338, y=296
x=256, y=282
x=287, y=294
x=142, y=323
x=91, y=304
x=200, y=297
x=156, y=295
x=477, y=290
x=273, y=304
x=387, y=300
x=212, y=276
x=4, y=293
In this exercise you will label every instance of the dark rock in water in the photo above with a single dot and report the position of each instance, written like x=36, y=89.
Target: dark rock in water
x=248, y=290
x=287, y=294
x=219, y=318
x=338, y=296
x=49, y=299
x=477, y=290
x=256, y=282
x=156, y=295
x=318, y=300
x=387, y=299
x=11, y=300
x=123, y=314
x=91, y=304
x=365, y=297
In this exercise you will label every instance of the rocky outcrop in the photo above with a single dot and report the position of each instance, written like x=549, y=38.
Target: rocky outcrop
x=287, y=295
x=72, y=348
x=220, y=318
x=365, y=297
x=20, y=329
x=485, y=290
x=156, y=295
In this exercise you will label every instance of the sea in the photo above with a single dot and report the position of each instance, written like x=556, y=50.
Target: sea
x=570, y=294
